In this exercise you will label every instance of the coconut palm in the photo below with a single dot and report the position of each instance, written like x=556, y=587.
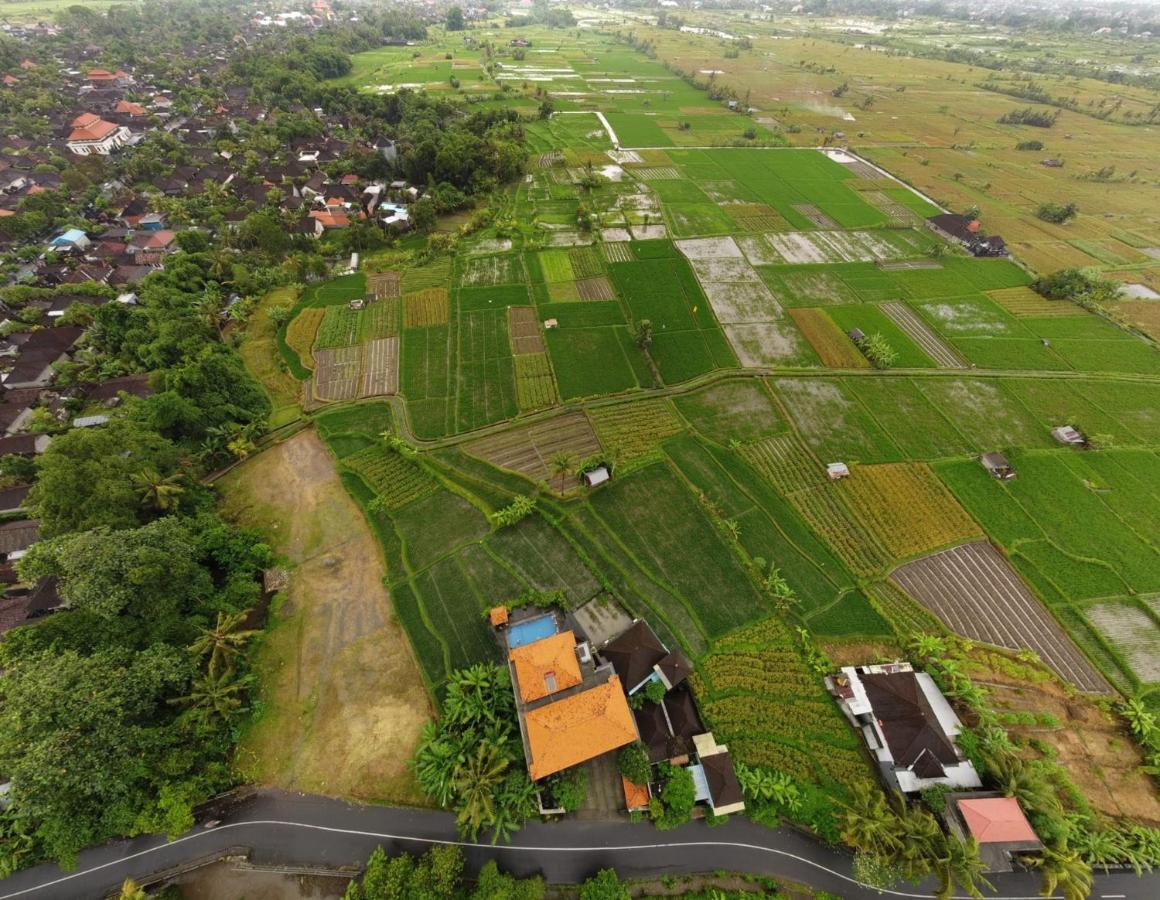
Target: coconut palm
x=475, y=784
x=1027, y=781
x=959, y=863
x=868, y=823
x=562, y=465
x=1104, y=847
x=1064, y=871
x=160, y=493
x=215, y=695
x=223, y=641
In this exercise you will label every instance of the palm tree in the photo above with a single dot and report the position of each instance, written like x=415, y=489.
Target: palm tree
x=868, y=823
x=223, y=641
x=160, y=493
x=214, y=695
x=959, y=862
x=1065, y=871
x=1026, y=781
x=562, y=465
x=475, y=784
x=1104, y=847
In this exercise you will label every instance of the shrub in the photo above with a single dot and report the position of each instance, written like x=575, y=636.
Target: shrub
x=519, y=509
x=1056, y=213
x=570, y=788
x=634, y=764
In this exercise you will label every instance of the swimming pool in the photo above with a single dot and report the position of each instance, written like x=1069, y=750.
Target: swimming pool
x=530, y=630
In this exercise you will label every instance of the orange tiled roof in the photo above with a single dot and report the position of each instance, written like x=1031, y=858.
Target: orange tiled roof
x=499, y=616
x=546, y=666
x=578, y=728
x=635, y=795
x=90, y=127
x=331, y=219
x=126, y=106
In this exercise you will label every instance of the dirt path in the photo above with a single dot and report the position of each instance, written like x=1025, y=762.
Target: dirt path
x=343, y=700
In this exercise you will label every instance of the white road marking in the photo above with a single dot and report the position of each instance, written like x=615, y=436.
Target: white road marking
x=507, y=848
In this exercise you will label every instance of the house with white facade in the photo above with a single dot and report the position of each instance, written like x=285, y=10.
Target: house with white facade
x=91, y=135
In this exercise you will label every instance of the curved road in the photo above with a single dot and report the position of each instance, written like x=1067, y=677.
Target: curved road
x=299, y=830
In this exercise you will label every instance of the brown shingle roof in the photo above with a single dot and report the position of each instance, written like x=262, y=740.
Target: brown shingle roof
x=634, y=653
x=908, y=722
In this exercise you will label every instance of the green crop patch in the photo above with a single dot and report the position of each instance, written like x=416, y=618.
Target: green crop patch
x=733, y=411
x=851, y=616
x=485, y=387
x=535, y=384
x=871, y=320
x=434, y=525
x=668, y=533
x=1093, y=516
x=593, y=361
x=396, y=479
x=426, y=378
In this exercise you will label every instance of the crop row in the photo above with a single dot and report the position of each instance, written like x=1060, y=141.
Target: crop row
x=301, y=332
x=634, y=430
x=907, y=508
x=585, y=262
x=393, y=477
x=380, y=320
x=426, y=307
x=784, y=462
x=831, y=519
x=340, y=328
x=535, y=385
x=831, y=344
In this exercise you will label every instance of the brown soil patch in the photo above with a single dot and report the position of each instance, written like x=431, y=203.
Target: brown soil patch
x=861, y=653
x=1090, y=743
x=384, y=285
x=524, y=328
x=343, y=699
x=596, y=288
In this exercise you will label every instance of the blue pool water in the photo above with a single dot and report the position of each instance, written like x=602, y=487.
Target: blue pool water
x=531, y=630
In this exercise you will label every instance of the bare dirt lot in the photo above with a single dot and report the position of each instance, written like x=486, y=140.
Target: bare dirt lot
x=342, y=699
x=1088, y=742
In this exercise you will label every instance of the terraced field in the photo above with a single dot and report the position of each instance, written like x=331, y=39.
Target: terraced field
x=976, y=593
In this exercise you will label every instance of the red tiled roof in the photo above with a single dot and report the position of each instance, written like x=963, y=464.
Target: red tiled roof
x=129, y=108
x=89, y=127
x=996, y=820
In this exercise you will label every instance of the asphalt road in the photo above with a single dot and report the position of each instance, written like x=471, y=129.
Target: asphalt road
x=293, y=829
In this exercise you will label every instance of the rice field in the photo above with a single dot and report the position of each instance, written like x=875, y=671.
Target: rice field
x=833, y=346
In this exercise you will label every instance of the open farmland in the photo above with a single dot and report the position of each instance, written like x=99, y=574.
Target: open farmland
x=521, y=357
x=531, y=450
x=907, y=508
x=977, y=594
x=757, y=693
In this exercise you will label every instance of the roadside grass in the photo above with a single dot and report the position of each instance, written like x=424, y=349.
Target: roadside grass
x=259, y=351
